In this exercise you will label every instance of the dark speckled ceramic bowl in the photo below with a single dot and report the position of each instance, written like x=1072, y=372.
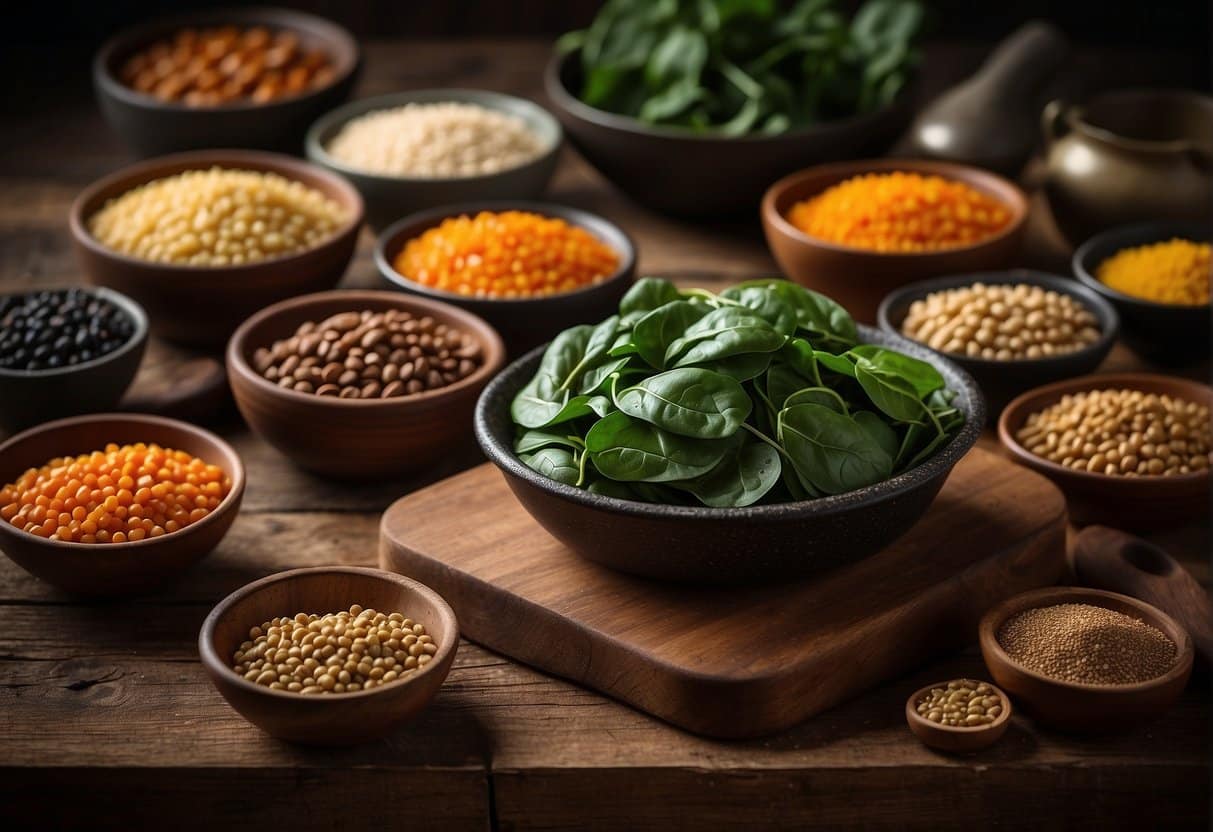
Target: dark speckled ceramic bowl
x=727, y=545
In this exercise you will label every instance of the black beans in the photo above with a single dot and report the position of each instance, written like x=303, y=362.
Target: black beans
x=59, y=328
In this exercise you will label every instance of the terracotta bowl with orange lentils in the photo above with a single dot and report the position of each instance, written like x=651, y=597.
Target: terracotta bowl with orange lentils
x=115, y=504
x=529, y=269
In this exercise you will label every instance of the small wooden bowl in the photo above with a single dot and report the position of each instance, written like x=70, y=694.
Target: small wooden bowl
x=1076, y=707
x=339, y=719
x=858, y=278
x=952, y=739
x=116, y=569
x=1122, y=502
x=356, y=437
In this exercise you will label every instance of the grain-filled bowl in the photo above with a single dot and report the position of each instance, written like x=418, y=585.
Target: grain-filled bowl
x=201, y=305
x=392, y=193
x=133, y=566
x=522, y=321
x=367, y=436
x=337, y=718
x=859, y=278
x=162, y=120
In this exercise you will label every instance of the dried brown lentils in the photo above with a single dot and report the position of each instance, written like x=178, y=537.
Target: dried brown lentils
x=962, y=703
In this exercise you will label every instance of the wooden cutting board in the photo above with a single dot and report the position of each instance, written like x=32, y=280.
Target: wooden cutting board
x=727, y=662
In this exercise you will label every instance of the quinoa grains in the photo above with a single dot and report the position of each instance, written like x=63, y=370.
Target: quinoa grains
x=961, y=703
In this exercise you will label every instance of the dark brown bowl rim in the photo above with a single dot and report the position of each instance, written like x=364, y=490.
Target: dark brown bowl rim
x=1094, y=303
x=494, y=347
x=128, y=305
x=1161, y=232
x=127, y=39
x=261, y=161
x=101, y=549
x=966, y=730
x=975, y=177
x=210, y=657
x=392, y=238
x=987, y=633
x=1074, y=117
x=1015, y=411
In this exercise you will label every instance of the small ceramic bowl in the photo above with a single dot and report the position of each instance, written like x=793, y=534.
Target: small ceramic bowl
x=356, y=437
x=1165, y=333
x=858, y=278
x=28, y=397
x=1122, y=502
x=116, y=569
x=198, y=305
x=388, y=198
x=522, y=322
x=1002, y=381
x=951, y=738
x=340, y=718
x=151, y=127
x=1082, y=708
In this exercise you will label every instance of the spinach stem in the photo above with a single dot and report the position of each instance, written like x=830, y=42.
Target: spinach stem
x=767, y=439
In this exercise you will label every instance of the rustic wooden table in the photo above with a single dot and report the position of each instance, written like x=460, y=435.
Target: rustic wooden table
x=106, y=717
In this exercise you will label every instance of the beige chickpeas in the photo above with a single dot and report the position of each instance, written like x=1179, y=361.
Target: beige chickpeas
x=963, y=703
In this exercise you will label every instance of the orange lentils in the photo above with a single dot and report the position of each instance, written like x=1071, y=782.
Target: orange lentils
x=507, y=254
x=901, y=212
x=120, y=494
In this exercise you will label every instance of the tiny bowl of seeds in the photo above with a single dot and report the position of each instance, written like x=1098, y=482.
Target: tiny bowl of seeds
x=329, y=655
x=1012, y=330
x=1130, y=450
x=959, y=715
x=1086, y=660
x=362, y=383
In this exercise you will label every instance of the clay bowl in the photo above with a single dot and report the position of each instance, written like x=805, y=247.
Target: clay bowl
x=1122, y=502
x=859, y=279
x=1076, y=707
x=151, y=127
x=523, y=322
x=356, y=438
x=388, y=197
x=1165, y=333
x=336, y=719
x=727, y=545
x=1002, y=381
x=28, y=397
x=677, y=171
x=201, y=306
x=954, y=739
x=116, y=569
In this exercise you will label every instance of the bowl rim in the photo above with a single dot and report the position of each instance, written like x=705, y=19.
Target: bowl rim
x=623, y=245
x=131, y=308
x=477, y=327
x=996, y=616
x=234, y=495
x=144, y=171
x=963, y=730
x=1016, y=410
x=1075, y=116
x=1163, y=231
x=1093, y=301
x=975, y=177
x=335, y=120
x=217, y=666
x=276, y=16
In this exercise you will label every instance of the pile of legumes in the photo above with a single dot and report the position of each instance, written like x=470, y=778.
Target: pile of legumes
x=339, y=652
x=1175, y=272
x=439, y=140
x=223, y=65
x=59, y=328
x=370, y=355
x=900, y=212
x=507, y=254
x=1087, y=645
x=1003, y=323
x=217, y=217
x=963, y=703
x=120, y=494
x=1121, y=432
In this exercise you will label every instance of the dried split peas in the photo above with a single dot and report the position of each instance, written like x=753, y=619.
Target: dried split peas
x=120, y=494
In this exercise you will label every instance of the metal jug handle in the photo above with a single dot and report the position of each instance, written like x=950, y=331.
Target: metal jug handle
x=1053, y=122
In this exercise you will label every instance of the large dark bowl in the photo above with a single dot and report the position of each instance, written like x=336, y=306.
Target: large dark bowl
x=152, y=127
x=695, y=174
x=1163, y=332
x=727, y=545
